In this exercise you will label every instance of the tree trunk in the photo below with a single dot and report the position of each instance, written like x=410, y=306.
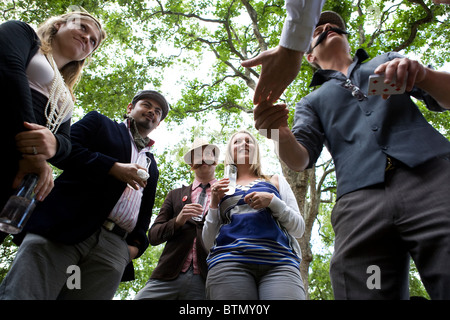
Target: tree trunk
x=301, y=183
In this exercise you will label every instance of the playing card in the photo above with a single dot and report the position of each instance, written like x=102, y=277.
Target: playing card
x=378, y=87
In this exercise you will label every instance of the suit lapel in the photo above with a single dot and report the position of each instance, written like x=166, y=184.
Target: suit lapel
x=126, y=141
x=186, y=193
x=181, y=197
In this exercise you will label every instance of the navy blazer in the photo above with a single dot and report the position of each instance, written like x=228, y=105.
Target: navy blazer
x=84, y=194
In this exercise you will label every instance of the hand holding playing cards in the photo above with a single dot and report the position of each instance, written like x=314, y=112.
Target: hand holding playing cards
x=403, y=70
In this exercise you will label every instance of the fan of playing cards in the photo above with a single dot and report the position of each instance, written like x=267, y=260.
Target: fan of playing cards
x=378, y=87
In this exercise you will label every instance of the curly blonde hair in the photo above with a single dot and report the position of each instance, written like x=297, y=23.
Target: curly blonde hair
x=71, y=72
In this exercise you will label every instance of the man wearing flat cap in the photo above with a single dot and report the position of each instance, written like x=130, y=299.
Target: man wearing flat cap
x=181, y=270
x=392, y=166
x=79, y=242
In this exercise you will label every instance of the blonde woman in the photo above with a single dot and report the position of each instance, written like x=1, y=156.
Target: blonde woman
x=250, y=235
x=38, y=73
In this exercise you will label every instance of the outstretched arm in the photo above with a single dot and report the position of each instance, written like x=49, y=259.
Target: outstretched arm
x=271, y=121
x=281, y=64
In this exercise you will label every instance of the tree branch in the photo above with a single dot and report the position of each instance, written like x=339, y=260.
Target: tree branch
x=186, y=15
x=9, y=9
x=362, y=35
x=254, y=17
x=383, y=18
x=415, y=26
x=250, y=82
x=324, y=175
x=224, y=105
x=231, y=35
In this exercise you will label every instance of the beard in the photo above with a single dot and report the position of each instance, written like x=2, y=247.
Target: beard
x=144, y=124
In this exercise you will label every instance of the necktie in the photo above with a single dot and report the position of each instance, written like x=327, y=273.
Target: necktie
x=203, y=194
x=204, y=187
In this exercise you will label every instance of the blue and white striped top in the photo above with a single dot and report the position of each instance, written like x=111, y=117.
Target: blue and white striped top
x=251, y=236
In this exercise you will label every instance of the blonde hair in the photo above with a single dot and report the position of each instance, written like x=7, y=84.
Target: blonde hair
x=255, y=162
x=71, y=72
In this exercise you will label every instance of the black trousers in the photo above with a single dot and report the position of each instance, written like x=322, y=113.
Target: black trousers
x=379, y=228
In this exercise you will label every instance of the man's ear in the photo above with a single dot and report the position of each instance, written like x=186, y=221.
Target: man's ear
x=310, y=57
x=58, y=25
x=130, y=107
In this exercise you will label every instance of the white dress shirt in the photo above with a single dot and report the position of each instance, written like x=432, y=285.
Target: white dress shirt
x=301, y=20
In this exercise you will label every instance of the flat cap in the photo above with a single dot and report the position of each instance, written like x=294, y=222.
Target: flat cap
x=158, y=97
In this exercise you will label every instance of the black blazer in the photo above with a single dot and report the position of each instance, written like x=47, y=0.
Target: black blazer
x=18, y=44
x=85, y=193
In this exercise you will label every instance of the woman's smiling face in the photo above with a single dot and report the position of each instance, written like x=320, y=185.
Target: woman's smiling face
x=243, y=148
x=76, y=39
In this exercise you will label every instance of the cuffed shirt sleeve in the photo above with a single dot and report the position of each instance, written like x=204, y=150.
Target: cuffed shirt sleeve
x=301, y=20
x=308, y=130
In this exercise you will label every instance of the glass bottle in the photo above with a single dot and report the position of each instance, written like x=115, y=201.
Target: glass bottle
x=19, y=206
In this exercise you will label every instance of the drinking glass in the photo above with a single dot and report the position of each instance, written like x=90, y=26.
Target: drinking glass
x=231, y=173
x=202, y=198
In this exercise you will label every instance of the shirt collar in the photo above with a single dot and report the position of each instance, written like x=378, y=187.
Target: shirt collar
x=151, y=143
x=322, y=76
x=197, y=183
